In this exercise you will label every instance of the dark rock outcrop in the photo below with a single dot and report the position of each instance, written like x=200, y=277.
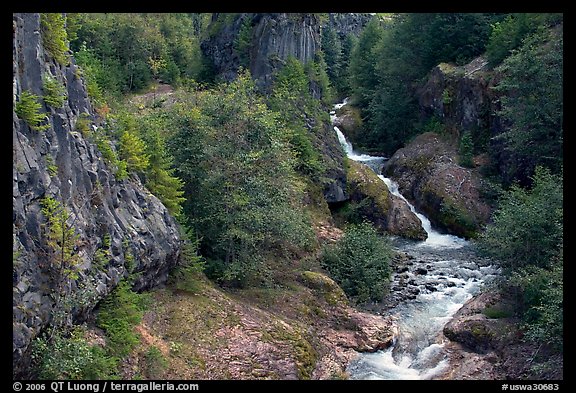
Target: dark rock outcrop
x=427, y=173
x=464, y=99
x=486, y=342
x=274, y=37
x=62, y=164
x=348, y=23
x=461, y=96
x=374, y=201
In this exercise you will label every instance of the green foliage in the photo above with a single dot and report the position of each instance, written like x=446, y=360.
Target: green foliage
x=363, y=73
x=319, y=80
x=240, y=185
x=102, y=254
x=342, y=83
x=508, y=34
x=125, y=52
x=100, y=76
x=494, y=312
x=527, y=238
x=129, y=260
x=332, y=50
x=446, y=97
x=155, y=363
x=71, y=357
x=50, y=165
x=243, y=42
x=54, y=36
x=110, y=156
x=159, y=174
x=466, y=150
x=118, y=314
x=543, y=298
x=393, y=56
x=61, y=240
x=28, y=109
x=186, y=277
x=532, y=105
x=83, y=125
x=132, y=150
x=291, y=97
x=54, y=92
x=359, y=262
x=527, y=227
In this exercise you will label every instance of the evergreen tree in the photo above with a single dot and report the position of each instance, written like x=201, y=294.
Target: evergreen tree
x=364, y=77
x=343, y=84
x=332, y=52
x=532, y=105
x=243, y=202
x=132, y=150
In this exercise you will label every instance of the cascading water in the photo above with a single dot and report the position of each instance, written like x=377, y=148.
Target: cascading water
x=444, y=273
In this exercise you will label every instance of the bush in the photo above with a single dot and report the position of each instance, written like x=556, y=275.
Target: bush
x=359, y=263
x=54, y=92
x=156, y=363
x=71, y=357
x=527, y=228
x=466, y=150
x=110, y=156
x=54, y=36
x=132, y=150
x=28, y=109
x=119, y=313
x=188, y=275
x=542, y=296
x=527, y=238
x=508, y=34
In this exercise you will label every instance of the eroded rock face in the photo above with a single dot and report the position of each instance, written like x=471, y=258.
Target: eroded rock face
x=374, y=201
x=461, y=96
x=428, y=174
x=62, y=164
x=348, y=23
x=274, y=38
x=486, y=342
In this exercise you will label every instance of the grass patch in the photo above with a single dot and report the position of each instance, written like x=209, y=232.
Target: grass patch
x=155, y=363
x=496, y=312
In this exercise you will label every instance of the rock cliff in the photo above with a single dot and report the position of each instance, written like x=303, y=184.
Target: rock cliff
x=450, y=195
x=121, y=227
x=461, y=96
x=348, y=23
x=272, y=39
x=269, y=39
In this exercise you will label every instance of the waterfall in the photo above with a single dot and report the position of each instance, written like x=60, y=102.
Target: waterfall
x=454, y=273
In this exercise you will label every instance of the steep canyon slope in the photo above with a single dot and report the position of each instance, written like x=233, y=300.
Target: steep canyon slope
x=119, y=220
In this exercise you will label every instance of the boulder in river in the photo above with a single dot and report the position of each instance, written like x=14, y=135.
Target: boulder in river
x=371, y=199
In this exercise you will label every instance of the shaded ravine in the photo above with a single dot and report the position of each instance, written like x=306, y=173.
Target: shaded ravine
x=432, y=281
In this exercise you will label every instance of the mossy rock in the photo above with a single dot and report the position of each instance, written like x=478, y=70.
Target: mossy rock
x=350, y=122
x=364, y=183
x=305, y=355
x=327, y=287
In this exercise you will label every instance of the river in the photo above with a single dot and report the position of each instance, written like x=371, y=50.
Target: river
x=439, y=275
